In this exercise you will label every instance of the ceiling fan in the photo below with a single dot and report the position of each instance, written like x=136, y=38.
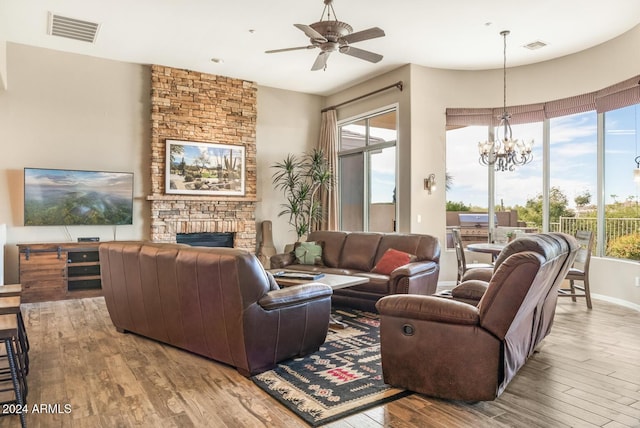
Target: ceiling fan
x=330, y=35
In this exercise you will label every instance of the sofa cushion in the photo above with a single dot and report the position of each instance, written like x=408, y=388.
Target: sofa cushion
x=332, y=248
x=391, y=260
x=308, y=253
x=424, y=247
x=359, y=251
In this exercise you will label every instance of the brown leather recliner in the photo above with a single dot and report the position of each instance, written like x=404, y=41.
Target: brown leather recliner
x=454, y=350
x=215, y=302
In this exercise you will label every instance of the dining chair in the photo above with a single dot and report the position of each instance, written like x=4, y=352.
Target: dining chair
x=463, y=266
x=580, y=269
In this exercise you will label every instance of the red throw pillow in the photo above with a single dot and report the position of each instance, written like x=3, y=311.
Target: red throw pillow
x=391, y=259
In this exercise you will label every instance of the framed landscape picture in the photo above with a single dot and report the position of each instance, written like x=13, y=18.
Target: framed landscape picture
x=194, y=168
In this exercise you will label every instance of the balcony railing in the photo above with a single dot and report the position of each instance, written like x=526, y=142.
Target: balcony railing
x=614, y=227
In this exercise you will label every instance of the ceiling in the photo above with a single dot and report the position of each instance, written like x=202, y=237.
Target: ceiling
x=452, y=34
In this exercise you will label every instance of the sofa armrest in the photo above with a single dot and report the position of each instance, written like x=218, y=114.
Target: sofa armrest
x=428, y=308
x=295, y=295
x=470, y=291
x=414, y=268
x=278, y=261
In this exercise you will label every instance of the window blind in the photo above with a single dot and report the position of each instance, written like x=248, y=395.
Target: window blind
x=617, y=96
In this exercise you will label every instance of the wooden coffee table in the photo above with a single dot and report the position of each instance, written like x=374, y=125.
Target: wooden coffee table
x=330, y=279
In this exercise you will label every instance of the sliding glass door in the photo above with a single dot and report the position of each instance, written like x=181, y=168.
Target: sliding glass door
x=367, y=173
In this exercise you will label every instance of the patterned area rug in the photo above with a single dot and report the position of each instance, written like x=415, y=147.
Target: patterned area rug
x=342, y=378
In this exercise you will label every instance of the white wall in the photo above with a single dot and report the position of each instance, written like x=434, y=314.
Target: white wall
x=288, y=122
x=3, y=65
x=615, y=279
x=71, y=112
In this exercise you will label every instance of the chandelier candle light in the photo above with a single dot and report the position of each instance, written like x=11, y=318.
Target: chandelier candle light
x=505, y=153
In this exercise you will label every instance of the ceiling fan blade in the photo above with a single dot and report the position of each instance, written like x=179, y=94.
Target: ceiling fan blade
x=361, y=53
x=370, y=33
x=290, y=49
x=311, y=33
x=321, y=61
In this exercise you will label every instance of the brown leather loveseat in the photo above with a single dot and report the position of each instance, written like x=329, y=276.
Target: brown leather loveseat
x=358, y=253
x=215, y=302
x=455, y=350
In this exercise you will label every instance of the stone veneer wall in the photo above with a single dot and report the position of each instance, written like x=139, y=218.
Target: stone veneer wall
x=193, y=106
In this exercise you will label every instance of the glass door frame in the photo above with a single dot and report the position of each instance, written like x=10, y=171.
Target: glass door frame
x=366, y=150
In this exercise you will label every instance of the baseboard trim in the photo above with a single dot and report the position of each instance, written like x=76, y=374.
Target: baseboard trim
x=616, y=301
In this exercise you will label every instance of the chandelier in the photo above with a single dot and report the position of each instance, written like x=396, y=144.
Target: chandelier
x=505, y=153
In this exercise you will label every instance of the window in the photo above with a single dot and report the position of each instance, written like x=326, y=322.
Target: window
x=468, y=182
x=573, y=167
x=467, y=186
x=367, y=173
x=571, y=200
x=621, y=210
x=514, y=189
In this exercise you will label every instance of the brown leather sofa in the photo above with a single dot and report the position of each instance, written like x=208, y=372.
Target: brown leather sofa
x=356, y=253
x=450, y=349
x=215, y=302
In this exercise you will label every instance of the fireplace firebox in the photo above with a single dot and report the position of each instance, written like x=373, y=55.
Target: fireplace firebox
x=210, y=239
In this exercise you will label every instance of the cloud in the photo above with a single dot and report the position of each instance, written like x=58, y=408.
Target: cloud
x=570, y=129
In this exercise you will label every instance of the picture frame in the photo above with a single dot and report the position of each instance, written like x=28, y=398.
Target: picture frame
x=205, y=169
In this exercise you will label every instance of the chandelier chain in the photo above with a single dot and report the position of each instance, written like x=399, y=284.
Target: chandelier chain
x=505, y=153
x=504, y=71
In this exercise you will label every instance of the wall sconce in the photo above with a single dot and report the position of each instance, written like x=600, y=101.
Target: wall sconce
x=430, y=183
x=636, y=172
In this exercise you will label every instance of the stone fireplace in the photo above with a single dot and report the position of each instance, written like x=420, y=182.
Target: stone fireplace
x=200, y=107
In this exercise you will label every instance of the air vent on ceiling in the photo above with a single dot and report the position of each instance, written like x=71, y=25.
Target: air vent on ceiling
x=72, y=28
x=535, y=45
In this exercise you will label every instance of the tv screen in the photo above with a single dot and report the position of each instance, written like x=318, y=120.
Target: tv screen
x=61, y=197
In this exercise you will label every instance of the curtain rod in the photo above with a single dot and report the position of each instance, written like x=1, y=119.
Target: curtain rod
x=398, y=85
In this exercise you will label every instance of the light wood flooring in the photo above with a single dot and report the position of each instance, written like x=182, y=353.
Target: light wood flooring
x=587, y=374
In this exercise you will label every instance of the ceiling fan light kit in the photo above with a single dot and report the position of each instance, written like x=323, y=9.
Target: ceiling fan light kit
x=330, y=35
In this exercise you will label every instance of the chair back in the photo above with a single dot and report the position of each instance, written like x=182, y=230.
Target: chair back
x=585, y=240
x=457, y=243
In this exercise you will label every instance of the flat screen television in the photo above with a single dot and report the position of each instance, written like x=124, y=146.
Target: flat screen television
x=63, y=197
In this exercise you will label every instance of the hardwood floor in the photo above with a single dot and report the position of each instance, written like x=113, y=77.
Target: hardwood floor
x=587, y=374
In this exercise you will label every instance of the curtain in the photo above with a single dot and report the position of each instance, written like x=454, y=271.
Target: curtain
x=328, y=143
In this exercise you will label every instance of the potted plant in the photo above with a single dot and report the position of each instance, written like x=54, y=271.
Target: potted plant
x=300, y=178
